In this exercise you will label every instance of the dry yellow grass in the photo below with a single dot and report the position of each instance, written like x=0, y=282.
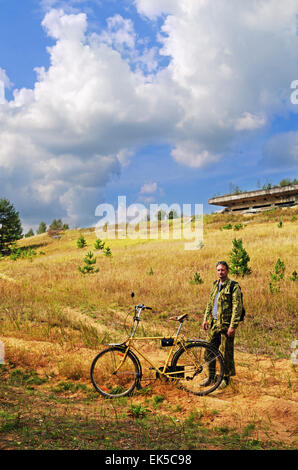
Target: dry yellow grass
x=53, y=319
x=36, y=293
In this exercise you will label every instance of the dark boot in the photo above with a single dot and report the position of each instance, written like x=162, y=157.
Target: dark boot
x=207, y=382
x=225, y=382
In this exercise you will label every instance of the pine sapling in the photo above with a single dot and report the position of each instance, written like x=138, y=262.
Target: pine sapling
x=89, y=263
x=81, y=242
x=107, y=251
x=239, y=259
x=196, y=279
x=277, y=276
x=99, y=244
x=227, y=227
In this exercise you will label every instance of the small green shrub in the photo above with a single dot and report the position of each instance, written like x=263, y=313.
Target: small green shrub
x=138, y=411
x=99, y=244
x=89, y=262
x=20, y=378
x=81, y=242
x=9, y=422
x=107, y=251
x=196, y=279
x=157, y=399
x=24, y=253
x=277, y=276
x=15, y=254
x=71, y=387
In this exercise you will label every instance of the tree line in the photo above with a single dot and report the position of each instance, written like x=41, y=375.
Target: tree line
x=55, y=225
x=235, y=189
x=11, y=228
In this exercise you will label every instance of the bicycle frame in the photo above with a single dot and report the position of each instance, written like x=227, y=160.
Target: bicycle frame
x=130, y=346
x=186, y=362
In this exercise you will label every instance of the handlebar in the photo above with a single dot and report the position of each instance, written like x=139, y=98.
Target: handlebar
x=138, y=310
x=142, y=307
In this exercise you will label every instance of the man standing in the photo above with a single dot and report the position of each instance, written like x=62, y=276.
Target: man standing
x=221, y=318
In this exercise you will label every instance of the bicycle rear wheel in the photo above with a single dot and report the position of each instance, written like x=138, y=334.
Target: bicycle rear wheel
x=200, y=368
x=112, y=375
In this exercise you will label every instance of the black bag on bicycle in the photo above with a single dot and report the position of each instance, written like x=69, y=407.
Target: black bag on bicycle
x=167, y=342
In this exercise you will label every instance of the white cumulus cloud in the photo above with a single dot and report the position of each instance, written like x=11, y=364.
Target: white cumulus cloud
x=148, y=188
x=77, y=126
x=229, y=70
x=249, y=122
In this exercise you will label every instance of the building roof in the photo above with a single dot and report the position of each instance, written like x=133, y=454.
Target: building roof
x=272, y=195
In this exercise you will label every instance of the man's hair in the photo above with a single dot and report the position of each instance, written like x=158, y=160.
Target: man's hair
x=224, y=263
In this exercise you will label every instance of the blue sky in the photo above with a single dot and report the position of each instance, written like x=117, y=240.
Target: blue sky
x=161, y=101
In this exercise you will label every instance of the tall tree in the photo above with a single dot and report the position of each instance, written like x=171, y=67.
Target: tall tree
x=56, y=225
x=10, y=225
x=30, y=233
x=42, y=228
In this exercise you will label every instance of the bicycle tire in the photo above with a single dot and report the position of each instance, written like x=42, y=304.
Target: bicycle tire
x=110, y=384
x=192, y=376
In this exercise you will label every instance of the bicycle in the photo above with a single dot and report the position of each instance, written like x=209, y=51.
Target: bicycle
x=117, y=371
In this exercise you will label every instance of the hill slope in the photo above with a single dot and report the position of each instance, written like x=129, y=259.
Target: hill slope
x=54, y=320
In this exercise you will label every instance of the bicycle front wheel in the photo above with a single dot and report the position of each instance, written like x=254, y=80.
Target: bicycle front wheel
x=113, y=373
x=199, y=367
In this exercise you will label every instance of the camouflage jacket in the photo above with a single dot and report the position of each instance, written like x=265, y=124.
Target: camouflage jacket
x=228, y=307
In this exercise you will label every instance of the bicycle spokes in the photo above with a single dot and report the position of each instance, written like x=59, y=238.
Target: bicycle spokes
x=114, y=372
x=203, y=368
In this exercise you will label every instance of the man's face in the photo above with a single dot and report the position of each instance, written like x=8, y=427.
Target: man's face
x=222, y=272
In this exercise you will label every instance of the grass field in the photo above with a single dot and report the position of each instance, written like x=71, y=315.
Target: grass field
x=54, y=319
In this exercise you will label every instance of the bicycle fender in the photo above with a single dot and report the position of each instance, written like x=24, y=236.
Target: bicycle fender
x=137, y=360
x=124, y=348
x=133, y=355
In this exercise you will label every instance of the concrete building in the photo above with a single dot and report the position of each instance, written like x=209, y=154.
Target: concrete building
x=256, y=201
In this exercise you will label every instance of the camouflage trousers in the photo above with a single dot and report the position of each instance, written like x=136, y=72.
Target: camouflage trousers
x=218, y=338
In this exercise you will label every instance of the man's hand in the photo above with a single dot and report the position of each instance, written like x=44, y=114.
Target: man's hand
x=231, y=332
x=205, y=325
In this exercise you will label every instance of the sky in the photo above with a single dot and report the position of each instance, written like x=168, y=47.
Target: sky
x=161, y=101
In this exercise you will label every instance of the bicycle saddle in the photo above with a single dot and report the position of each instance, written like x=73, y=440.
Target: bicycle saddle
x=180, y=317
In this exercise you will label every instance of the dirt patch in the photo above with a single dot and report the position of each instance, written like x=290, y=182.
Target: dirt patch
x=260, y=401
